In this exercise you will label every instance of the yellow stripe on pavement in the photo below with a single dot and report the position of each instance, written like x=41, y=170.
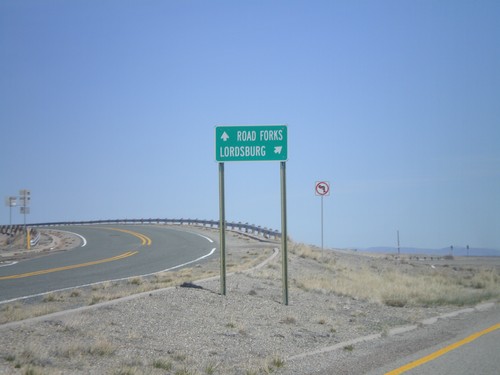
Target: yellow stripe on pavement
x=144, y=239
x=73, y=266
x=442, y=351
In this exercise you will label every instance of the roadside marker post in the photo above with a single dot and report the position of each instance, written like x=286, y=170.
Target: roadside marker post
x=252, y=143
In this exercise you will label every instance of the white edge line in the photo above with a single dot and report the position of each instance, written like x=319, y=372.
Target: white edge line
x=201, y=235
x=9, y=264
x=84, y=241
x=196, y=233
x=185, y=264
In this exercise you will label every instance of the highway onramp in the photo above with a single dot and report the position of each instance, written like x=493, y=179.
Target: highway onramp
x=105, y=252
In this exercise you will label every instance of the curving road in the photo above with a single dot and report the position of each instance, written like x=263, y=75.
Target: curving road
x=105, y=253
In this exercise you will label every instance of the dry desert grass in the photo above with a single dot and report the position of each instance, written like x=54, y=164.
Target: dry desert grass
x=397, y=284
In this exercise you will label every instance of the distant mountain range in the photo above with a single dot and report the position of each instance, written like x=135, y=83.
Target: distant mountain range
x=457, y=251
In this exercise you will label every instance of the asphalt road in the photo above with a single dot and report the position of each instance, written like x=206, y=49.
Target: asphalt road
x=390, y=355
x=105, y=253
x=478, y=357
x=475, y=349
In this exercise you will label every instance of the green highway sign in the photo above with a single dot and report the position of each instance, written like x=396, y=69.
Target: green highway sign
x=251, y=143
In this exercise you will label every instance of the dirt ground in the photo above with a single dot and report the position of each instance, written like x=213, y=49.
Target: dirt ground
x=179, y=323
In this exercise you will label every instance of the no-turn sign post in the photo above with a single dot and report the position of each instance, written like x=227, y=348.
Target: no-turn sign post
x=322, y=188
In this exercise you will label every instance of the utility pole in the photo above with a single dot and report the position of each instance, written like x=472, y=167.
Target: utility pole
x=25, y=199
x=399, y=249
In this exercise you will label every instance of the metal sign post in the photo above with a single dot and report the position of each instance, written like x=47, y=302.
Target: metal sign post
x=10, y=202
x=322, y=188
x=222, y=231
x=284, y=235
x=252, y=143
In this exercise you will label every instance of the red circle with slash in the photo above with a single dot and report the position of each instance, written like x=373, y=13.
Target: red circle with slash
x=322, y=188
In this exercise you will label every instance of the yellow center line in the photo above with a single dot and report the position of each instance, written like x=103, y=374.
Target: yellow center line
x=65, y=268
x=144, y=239
x=443, y=351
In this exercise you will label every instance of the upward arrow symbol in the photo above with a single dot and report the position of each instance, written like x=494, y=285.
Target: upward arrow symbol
x=225, y=137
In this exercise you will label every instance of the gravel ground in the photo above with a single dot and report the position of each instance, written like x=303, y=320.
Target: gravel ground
x=195, y=330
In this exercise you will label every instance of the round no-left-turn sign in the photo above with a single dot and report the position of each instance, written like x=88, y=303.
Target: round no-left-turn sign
x=322, y=188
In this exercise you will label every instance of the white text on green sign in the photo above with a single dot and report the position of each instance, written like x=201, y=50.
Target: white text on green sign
x=251, y=143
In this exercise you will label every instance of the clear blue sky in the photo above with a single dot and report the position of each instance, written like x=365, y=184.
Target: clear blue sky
x=108, y=109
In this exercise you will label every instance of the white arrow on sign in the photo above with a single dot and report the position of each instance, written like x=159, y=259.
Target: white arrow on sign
x=224, y=137
x=277, y=149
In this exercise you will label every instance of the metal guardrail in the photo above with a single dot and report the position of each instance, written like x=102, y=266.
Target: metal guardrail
x=11, y=230
x=35, y=239
x=242, y=227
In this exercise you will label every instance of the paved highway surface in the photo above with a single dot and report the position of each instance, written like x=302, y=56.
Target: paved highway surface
x=475, y=350
x=105, y=253
x=464, y=344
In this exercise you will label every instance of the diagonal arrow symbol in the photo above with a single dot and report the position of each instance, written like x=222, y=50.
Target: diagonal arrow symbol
x=277, y=149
